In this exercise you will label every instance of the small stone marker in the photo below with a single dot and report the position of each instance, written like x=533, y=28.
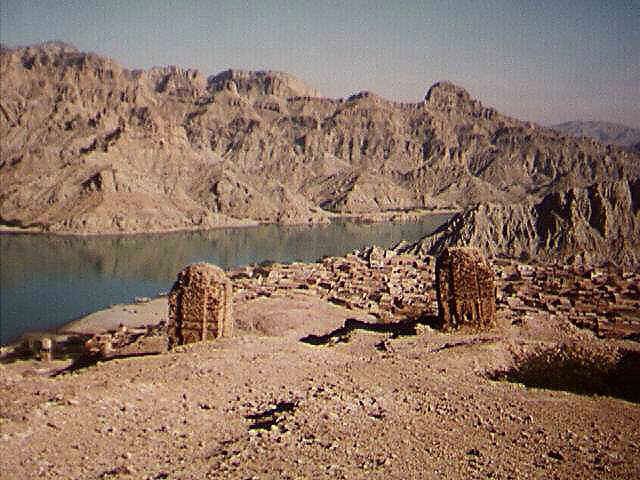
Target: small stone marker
x=466, y=291
x=46, y=349
x=38, y=345
x=200, y=305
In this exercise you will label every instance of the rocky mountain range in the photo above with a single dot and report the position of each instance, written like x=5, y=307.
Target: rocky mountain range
x=593, y=225
x=91, y=147
x=604, y=132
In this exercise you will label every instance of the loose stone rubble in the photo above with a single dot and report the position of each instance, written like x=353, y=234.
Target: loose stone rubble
x=395, y=287
x=388, y=286
x=200, y=305
x=465, y=289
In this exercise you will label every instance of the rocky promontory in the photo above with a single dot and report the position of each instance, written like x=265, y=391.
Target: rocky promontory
x=592, y=225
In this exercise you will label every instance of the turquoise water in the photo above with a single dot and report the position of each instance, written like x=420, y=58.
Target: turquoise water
x=47, y=281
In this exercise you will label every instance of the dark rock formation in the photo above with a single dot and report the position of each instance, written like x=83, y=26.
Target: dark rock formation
x=200, y=305
x=594, y=225
x=466, y=290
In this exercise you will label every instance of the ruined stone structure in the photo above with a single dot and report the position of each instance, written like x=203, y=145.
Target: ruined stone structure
x=39, y=345
x=200, y=305
x=46, y=350
x=466, y=290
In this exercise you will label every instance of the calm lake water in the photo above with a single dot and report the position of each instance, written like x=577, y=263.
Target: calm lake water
x=47, y=281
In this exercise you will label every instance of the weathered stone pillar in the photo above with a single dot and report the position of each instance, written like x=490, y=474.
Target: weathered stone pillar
x=466, y=291
x=46, y=349
x=200, y=305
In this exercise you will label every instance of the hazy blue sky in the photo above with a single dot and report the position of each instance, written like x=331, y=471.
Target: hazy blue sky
x=546, y=61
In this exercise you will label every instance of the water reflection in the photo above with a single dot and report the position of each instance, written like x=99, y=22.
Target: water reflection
x=49, y=280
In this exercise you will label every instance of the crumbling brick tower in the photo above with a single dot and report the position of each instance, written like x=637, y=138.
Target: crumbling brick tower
x=200, y=305
x=466, y=291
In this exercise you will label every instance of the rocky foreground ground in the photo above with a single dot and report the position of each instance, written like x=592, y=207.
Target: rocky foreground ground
x=335, y=371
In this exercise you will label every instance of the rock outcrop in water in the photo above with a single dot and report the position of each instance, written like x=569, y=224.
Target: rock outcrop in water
x=91, y=147
x=594, y=225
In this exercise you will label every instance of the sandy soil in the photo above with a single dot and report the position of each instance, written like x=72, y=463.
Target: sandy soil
x=293, y=395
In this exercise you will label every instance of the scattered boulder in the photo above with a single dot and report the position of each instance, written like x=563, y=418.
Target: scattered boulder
x=466, y=291
x=200, y=305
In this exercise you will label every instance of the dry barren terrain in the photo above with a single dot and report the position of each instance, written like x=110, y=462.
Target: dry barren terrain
x=308, y=388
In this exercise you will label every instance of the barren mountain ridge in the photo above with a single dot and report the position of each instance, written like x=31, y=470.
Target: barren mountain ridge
x=91, y=147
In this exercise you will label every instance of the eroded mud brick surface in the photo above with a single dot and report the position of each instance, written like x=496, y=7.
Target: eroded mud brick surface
x=200, y=305
x=466, y=290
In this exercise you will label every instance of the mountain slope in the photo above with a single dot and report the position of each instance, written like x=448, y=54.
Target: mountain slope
x=595, y=225
x=604, y=132
x=88, y=146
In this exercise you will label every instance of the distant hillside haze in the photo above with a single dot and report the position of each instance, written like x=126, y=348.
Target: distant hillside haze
x=91, y=147
x=604, y=132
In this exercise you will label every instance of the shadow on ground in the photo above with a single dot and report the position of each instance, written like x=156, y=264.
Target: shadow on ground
x=88, y=360
x=396, y=329
x=271, y=417
x=580, y=370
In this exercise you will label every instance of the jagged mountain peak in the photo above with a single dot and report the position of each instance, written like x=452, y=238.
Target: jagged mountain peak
x=261, y=82
x=174, y=79
x=446, y=90
x=84, y=141
x=50, y=47
x=52, y=55
x=448, y=97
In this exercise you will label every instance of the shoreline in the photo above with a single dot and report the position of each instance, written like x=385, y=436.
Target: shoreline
x=410, y=215
x=414, y=215
x=132, y=315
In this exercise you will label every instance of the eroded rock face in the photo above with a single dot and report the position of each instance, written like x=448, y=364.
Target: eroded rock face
x=466, y=290
x=91, y=147
x=200, y=305
x=592, y=225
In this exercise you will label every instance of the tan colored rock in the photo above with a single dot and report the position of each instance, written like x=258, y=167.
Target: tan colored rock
x=90, y=147
x=593, y=226
x=200, y=305
x=46, y=350
x=466, y=291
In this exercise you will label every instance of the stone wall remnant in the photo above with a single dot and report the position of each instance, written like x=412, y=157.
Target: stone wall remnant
x=200, y=305
x=465, y=289
x=46, y=350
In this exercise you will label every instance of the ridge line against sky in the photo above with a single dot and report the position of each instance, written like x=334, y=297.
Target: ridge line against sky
x=545, y=61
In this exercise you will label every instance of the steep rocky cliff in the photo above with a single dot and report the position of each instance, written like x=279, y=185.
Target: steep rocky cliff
x=594, y=225
x=88, y=146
